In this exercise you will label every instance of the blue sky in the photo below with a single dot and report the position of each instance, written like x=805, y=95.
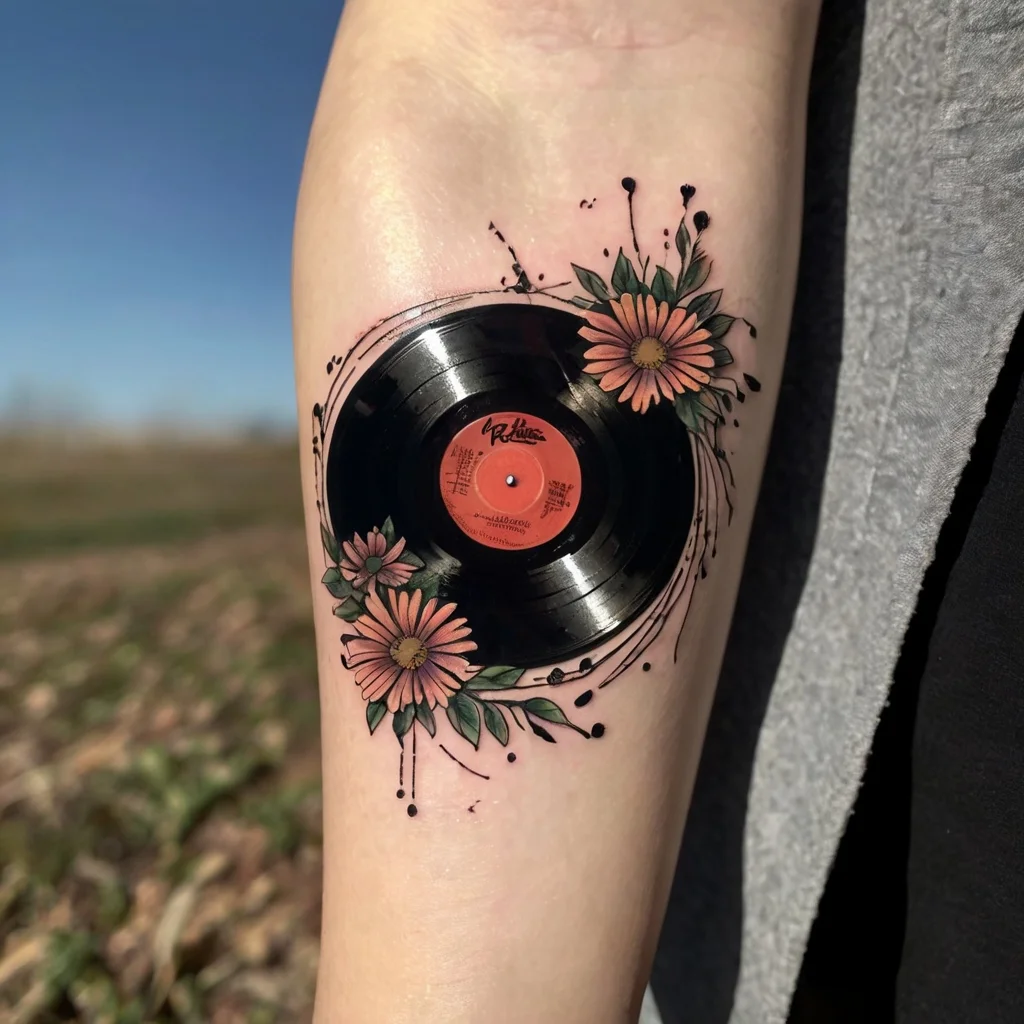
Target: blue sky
x=150, y=153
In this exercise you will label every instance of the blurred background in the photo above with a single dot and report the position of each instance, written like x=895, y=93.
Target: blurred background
x=159, y=758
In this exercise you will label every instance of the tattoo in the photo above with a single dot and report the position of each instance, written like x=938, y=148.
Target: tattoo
x=648, y=334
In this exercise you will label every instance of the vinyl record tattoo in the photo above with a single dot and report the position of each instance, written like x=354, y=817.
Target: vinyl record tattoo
x=492, y=473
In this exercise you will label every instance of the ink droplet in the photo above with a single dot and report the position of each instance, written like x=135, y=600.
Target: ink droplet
x=752, y=382
x=665, y=232
x=584, y=698
x=753, y=330
x=412, y=810
x=606, y=252
x=740, y=396
x=503, y=280
x=703, y=572
x=597, y=731
x=735, y=423
x=555, y=676
x=540, y=277
x=687, y=192
x=629, y=185
x=666, y=246
x=317, y=411
x=330, y=367
x=586, y=665
x=701, y=220
x=511, y=758
x=646, y=666
x=400, y=794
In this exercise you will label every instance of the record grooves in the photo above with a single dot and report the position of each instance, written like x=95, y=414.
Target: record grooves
x=580, y=556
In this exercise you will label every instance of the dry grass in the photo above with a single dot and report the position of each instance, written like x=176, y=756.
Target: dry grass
x=159, y=790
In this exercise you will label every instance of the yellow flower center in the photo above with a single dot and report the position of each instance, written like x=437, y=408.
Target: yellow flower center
x=409, y=652
x=648, y=353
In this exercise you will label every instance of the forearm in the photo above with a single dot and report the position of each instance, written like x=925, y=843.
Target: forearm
x=536, y=895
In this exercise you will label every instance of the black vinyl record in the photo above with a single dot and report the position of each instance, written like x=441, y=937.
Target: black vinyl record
x=504, y=375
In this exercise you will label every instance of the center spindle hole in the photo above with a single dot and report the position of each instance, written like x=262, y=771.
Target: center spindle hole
x=511, y=480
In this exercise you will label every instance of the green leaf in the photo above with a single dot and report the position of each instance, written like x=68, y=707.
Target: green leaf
x=350, y=609
x=582, y=303
x=388, y=529
x=546, y=709
x=719, y=324
x=663, y=288
x=591, y=282
x=337, y=585
x=682, y=241
x=496, y=677
x=686, y=411
x=411, y=558
x=426, y=581
x=330, y=543
x=426, y=718
x=402, y=721
x=624, y=277
x=464, y=715
x=375, y=711
x=704, y=305
x=721, y=355
x=696, y=274
x=495, y=722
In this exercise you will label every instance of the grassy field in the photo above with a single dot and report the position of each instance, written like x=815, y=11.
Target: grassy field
x=159, y=763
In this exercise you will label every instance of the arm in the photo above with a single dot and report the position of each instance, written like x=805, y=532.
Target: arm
x=536, y=895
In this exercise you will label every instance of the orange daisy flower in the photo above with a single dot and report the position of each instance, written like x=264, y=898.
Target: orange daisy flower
x=649, y=350
x=409, y=650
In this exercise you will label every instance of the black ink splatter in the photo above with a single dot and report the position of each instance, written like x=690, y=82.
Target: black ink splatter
x=330, y=366
x=740, y=396
x=400, y=794
x=317, y=411
x=703, y=571
x=511, y=758
x=687, y=192
x=666, y=246
x=411, y=810
x=586, y=665
x=752, y=382
x=584, y=698
x=701, y=220
x=472, y=807
x=646, y=666
x=727, y=401
x=606, y=252
x=597, y=731
x=540, y=277
x=629, y=184
x=753, y=330
x=665, y=232
x=735, y=423
x=555, y=676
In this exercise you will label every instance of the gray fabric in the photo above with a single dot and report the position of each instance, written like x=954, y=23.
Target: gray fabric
x=932, y=290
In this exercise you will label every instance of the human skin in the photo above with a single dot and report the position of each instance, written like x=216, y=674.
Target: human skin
x=543, y=903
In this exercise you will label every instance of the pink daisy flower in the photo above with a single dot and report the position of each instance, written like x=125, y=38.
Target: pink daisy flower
x=648, y=349
x=371, y=561
x=409, y=650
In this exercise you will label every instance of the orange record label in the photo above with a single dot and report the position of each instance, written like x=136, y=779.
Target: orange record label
x=510, y=480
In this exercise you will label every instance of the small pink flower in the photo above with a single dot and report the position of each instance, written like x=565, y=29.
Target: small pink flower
x=648, y=350
x=371, y=561
x=409, y=651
